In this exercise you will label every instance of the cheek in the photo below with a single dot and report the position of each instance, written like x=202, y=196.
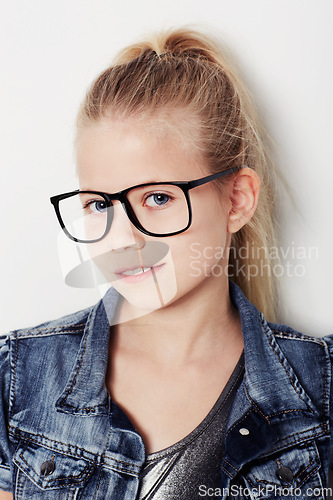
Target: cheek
x=199, y=249
x=207, y=240
x=101, y=255
x=103, y=259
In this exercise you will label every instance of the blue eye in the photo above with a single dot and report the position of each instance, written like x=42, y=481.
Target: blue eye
x=157, y=199
x=96, y=206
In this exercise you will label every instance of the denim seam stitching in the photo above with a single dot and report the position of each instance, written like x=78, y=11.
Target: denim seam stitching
x=294, y=476
x=249, y=480
x=238, y=422
x=25, y=438
x=88, y=466
x=328, y=366
x=62, y=403
x=255, y=405
x=78, y=410
x=60, y=328
x=226, y=461
x=102, y=462
x=134, y=468
x=269, y=340
x=318, y=462
x=23, y=482
x=99, y=480
x=282, y=412
x=309, y=474
x=49, y=334
x=327, y=357
x=226, y=471
x=283, y=447
x=12, y=403
x=264, y=481
x=290, y=335
x=52, y=327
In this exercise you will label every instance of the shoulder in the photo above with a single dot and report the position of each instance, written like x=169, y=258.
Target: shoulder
x=34, y=359
x=255, y=325
x=71, y=323
x=287, y=335
x=56, y=338
x=306, y=353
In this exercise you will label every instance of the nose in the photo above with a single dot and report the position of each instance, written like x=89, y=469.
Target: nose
x=122, y=232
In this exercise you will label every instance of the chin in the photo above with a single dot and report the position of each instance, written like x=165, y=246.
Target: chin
x=150, y=295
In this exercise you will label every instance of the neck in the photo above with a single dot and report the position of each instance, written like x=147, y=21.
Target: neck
x=199, y=325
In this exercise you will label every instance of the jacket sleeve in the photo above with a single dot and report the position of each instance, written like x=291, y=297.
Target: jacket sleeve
x=331, y=408
x=5, y=456
x=329, y=342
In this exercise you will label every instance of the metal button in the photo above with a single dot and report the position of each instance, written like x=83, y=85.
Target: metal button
x=285, y=474
x=244, y=432
x=47, y=467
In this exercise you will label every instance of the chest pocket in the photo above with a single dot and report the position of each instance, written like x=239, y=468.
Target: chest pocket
x=44, y=473
x=290, y=474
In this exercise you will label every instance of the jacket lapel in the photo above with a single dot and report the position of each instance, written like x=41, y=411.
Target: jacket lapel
x=270, y=405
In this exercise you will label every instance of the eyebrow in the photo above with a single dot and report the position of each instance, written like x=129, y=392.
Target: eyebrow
x=149, y=181
x=153, y=181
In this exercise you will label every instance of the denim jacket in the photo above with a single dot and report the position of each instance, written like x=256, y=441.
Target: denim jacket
x=61, y=436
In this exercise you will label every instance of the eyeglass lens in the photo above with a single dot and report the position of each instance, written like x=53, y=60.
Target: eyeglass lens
x=160, y=209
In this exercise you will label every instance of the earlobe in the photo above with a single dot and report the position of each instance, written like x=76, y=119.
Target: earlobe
x=244, y=198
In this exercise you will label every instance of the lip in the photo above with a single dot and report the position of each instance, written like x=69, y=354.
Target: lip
x=135, y=278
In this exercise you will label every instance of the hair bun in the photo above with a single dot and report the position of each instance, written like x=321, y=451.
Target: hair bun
x=189, y=43
x=180, y=42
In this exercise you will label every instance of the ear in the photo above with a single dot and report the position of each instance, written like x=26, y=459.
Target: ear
x=244, y=196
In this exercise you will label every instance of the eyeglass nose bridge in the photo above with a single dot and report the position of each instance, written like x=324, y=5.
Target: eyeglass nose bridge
x=121, y=199
x=127, y=207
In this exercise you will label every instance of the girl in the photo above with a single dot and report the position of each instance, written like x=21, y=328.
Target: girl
x=174, y=386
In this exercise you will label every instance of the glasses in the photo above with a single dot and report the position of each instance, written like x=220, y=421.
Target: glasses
x=155, y=209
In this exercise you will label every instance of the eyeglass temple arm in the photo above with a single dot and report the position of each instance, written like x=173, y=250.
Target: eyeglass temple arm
x=212, y=177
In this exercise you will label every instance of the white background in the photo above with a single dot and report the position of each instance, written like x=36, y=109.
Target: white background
x=50, y=52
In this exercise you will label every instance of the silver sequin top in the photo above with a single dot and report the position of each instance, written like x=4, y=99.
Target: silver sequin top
x=177, y=472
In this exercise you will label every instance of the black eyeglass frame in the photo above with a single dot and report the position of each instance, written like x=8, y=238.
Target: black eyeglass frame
x=121, y=196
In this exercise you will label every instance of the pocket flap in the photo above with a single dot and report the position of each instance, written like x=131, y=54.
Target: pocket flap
x=291, y=467
x=51, y=469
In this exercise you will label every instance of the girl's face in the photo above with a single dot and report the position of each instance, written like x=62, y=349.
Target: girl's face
x=114, y=155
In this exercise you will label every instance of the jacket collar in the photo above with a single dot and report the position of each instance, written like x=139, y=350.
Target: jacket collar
x=271, y=410
x=85, y=392
x=270, y=382
x=270, y=386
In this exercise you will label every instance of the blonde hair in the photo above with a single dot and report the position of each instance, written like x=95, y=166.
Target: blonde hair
x=182, y=74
